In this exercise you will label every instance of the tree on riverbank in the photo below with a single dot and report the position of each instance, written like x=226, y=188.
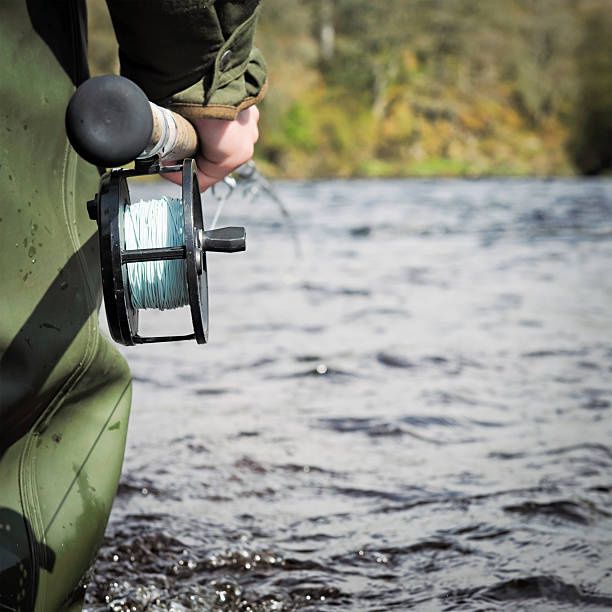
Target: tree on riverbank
x=590, y=143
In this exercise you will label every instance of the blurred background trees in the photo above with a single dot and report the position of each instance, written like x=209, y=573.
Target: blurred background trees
x=590, y=142
x=428, y=87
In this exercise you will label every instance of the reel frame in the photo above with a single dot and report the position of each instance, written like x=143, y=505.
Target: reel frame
x=108, y=210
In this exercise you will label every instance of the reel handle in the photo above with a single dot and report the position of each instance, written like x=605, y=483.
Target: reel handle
x=110, y=122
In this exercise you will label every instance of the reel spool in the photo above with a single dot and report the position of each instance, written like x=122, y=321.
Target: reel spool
x=110, y=205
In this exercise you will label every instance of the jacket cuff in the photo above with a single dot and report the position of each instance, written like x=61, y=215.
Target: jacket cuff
x=231, y=96
x=237, y=80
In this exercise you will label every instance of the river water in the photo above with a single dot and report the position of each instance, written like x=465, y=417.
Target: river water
x=413, y=414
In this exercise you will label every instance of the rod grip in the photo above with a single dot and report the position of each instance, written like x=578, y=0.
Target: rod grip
x=110, y=122
x=187, y=142
x=173, y=137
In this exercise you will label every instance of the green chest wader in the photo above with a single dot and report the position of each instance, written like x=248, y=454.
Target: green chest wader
x=64, y=390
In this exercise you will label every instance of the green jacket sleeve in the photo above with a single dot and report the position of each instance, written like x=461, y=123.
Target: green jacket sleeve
x=193, y=56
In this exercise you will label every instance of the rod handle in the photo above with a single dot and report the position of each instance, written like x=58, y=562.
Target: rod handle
x=110, y=122
x=173, y=137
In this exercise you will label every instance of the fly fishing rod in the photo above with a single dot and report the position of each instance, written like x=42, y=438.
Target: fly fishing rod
x=152, y=253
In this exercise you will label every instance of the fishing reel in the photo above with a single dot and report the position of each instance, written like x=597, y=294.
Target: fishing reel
x=110, y=122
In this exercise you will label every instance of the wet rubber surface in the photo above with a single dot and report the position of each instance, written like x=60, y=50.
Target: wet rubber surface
x=416, y=414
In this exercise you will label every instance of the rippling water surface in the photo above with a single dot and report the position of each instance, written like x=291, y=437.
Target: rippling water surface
x=414, y=414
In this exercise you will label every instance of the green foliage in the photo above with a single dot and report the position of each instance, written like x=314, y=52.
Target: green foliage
x=298, y=126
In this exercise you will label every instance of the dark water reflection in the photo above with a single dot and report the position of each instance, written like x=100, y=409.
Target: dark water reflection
x=415, y=414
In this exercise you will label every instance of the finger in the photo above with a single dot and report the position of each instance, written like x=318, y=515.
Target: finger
x=173, y=177
x=204, y=181
x=216, y=170
x=206, y=178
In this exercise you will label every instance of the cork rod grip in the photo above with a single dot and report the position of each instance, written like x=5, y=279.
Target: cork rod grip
x=172, y=137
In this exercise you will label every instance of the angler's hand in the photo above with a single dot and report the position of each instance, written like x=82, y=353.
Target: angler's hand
x=224, y=145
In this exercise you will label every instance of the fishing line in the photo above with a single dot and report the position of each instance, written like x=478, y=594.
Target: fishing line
x=230, y=184
x=254, y=183
x=155, y=224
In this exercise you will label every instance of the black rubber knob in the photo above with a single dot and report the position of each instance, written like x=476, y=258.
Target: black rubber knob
x=109, y=121
x=225, y=240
